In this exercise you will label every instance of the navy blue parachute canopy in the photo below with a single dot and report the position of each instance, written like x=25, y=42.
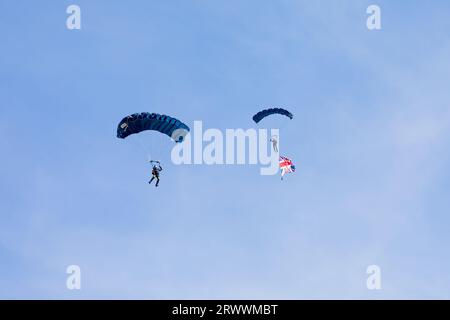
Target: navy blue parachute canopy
x=264, y=113
x=143, y=121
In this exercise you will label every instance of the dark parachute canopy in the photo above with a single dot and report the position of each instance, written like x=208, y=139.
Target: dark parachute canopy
x=264, y=113
x=143, y=121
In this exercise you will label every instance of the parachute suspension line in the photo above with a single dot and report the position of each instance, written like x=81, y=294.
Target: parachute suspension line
x=139, y=145
x=149, y=145
x=143, y=146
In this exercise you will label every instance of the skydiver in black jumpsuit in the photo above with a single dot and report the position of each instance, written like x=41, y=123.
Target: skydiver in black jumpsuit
x=155, y=172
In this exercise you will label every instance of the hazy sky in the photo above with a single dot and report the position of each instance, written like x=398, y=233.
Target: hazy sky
x=370, y=140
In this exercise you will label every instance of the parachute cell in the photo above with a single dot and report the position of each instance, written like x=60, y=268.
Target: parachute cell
x=143, y=121
x=264, y=113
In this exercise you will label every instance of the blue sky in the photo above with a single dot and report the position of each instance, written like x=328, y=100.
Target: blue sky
x=370, y=139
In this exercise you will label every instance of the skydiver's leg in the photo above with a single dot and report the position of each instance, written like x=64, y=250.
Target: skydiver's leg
x=157, y=181
x=151, y=180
